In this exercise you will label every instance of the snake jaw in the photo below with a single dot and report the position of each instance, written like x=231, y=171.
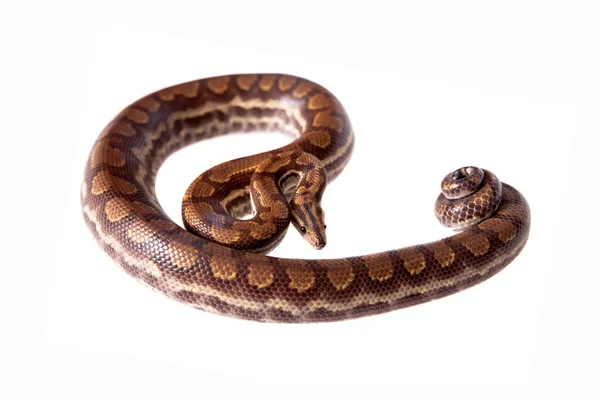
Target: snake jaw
x=319, y=245
x=316, y=239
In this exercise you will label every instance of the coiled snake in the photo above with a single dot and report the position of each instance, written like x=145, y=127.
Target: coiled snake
x=213, y=272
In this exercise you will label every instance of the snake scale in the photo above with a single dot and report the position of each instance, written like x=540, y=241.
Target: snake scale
x=223, y=270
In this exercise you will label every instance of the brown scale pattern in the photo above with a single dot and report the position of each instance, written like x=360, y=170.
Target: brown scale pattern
x=463, y=210
x=206, y=213
x=121, y=209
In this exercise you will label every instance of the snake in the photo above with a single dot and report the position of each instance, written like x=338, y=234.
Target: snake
x=238, y=211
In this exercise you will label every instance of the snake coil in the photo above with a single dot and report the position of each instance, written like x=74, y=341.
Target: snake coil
x=216, y=266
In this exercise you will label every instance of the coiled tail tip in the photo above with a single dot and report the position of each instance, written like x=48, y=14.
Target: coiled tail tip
x=469, y=195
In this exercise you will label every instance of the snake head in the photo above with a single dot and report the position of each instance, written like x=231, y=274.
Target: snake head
x=305, y=208
x=309, y=220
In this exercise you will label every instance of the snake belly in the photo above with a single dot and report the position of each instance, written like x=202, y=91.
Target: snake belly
x=122, y=211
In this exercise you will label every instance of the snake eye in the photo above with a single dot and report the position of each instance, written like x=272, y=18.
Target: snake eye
x=303, y=229
x=324, y=226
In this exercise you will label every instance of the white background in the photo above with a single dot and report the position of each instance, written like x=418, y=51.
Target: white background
x=511, y=86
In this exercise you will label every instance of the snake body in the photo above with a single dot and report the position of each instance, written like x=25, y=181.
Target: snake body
x=213, y=272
